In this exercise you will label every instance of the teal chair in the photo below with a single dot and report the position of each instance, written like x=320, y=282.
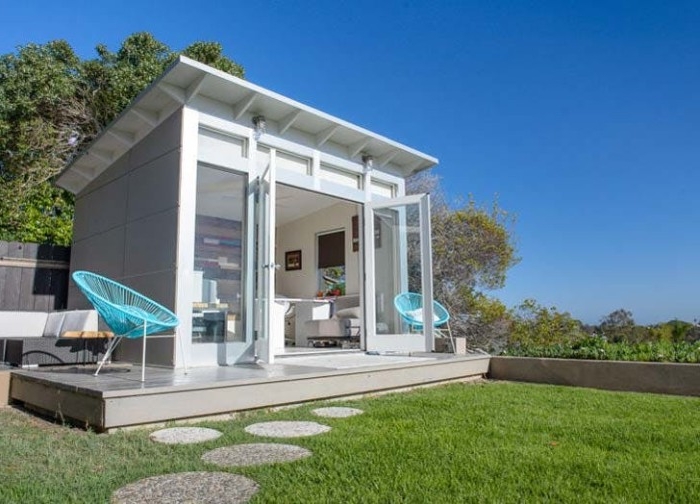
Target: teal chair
x=410, y=308
x=127, y=313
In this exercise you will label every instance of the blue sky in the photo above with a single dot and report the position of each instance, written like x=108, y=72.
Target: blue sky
x=583, y=117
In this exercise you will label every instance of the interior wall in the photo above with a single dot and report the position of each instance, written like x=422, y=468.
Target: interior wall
x=125, y=228
x=301, y=235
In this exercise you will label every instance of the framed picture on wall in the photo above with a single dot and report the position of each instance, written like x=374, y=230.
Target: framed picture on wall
x=292, y=260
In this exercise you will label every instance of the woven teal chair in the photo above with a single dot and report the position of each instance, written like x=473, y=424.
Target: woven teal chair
x=127, y=313
x=410, y=308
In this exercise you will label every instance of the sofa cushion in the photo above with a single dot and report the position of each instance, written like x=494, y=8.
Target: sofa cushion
x=349, y=301
x=15, y=324
x=58, y=323
x=54, y=322
x=417, y=315
x=79, y=320
x=355, y=313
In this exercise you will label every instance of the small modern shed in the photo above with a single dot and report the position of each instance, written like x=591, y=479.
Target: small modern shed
x=236, y=207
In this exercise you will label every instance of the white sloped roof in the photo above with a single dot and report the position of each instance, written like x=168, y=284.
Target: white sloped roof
x=186, y=79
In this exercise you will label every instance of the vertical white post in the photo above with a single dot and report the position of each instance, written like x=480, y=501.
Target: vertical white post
x=185, y=236
x=143, y=354
x=367, y=247
x=270, y=253
x=427, y=270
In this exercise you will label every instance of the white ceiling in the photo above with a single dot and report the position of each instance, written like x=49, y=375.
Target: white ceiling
x=293, y=203
x=221, y=194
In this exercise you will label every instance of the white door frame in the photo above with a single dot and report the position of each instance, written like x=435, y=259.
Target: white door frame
x=265, y=223
x=372, y=340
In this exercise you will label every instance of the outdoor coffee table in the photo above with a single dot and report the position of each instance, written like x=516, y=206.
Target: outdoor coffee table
x=85, y=336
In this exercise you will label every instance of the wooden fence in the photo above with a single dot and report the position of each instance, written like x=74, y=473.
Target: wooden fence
x=33, y=277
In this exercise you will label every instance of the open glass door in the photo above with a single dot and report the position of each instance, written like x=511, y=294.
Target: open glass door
x=219, y=297
x=264, y=270
x=398, y=259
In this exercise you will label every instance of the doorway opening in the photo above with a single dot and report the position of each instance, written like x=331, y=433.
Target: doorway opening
x=318, y=284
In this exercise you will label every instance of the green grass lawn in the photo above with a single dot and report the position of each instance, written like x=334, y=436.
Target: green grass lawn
x=490, y=442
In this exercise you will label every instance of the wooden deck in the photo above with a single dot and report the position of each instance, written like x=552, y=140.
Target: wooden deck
x=116, y=398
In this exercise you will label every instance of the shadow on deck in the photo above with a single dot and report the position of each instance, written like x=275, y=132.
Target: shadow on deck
x=116, y=398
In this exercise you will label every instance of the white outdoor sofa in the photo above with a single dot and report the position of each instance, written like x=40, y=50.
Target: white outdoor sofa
x=343, y=326
x=39, y=338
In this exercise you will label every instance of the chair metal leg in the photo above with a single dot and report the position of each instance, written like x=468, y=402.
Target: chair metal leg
x=441, y=333
x=452, y=339
x=110, y=348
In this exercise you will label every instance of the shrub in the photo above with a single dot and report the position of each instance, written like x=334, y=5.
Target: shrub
x=596, y=348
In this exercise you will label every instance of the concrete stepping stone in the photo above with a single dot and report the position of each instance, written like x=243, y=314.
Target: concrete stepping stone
x=336, y=412
x=190, y=487
x=252, y=454
x=287, y=429
x=184, y=435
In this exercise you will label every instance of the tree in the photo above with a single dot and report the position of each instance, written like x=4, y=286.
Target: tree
x=618, y=326
x=674, y=331
x=39, y=117
x=534, y=324
x=472, y=251
x=52, y=104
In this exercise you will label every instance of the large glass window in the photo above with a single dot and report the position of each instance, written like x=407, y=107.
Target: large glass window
x=218, y=256
x=331, y=263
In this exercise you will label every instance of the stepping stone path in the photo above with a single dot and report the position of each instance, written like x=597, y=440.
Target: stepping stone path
x=191, y=487
x=336, y=412
x=286, y=429
x=255, y=454
x=184, y=435
x=220, y=487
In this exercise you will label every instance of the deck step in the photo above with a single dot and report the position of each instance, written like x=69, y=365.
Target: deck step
x=119, y=399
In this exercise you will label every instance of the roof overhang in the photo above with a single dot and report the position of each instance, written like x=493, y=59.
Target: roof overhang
x=187, y=79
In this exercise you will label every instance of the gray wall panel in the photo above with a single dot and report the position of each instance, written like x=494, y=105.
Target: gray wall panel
x=159, y=351
x=105, y=207
x=151, y=244
x=81, y=221
x=154, y=187
x=76, y=300
x=102, y=253
x=118, y=169
x=161, y=140
x=158, y=286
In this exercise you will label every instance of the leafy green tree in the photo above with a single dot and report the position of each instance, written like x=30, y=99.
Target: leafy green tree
x=618, y=326
x=40, y=117
x=534, y=324
x=674, y=331
x=52, y=104
x=472, y=251
x=693, y=334
x=488, y=323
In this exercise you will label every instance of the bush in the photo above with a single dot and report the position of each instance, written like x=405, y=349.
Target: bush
x=596, y=348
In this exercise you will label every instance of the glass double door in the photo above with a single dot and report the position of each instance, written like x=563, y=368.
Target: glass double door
x=233, y=265
x=397, y=259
